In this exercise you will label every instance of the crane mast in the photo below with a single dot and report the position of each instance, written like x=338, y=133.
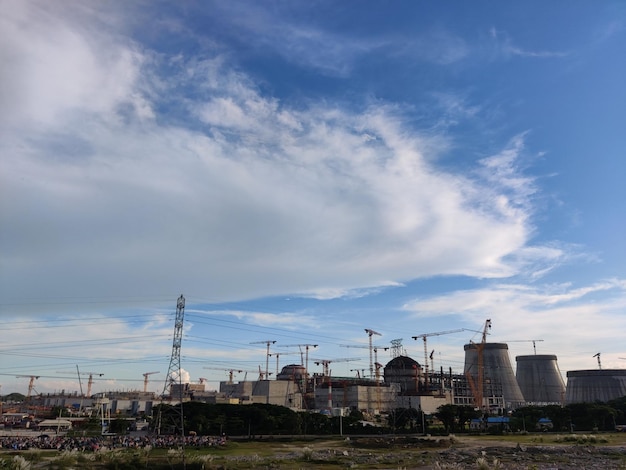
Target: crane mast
x=477, y=386
x=424, y=337
x=370, y=333
x=145, y=380
x=268, y=343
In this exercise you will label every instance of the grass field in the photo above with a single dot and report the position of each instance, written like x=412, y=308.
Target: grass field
x=381, y=452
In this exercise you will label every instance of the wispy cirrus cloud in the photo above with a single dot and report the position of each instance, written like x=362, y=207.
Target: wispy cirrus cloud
x=506, y=47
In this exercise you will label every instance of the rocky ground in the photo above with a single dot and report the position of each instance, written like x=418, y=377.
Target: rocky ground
x=454, y=453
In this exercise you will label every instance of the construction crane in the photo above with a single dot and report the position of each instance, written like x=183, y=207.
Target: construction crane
x=145, y=380
x=477, y=386
x=231, y=372
x=599, y=363
x=359, y=372
x=373, y=348
x=437, y=333
x=268, y=343
x=534, y=341
x=31, y=384
x=89, y=381
x=264, y=376
x=278, y=354
x=371, y=333
x=326, y=362
x=304, y=361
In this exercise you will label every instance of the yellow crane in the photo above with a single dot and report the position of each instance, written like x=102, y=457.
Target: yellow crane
x=477, y=385
x=145, y=379
x=31, y=384
x=89, y=380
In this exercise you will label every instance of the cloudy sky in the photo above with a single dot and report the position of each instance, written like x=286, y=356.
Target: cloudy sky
x=301, y=171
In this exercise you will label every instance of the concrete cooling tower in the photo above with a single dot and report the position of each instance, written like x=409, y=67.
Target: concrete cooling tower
x=500, y=387
x=540, y=379
x=588, y=386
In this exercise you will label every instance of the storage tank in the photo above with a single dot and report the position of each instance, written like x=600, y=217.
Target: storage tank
x=500, y=387
x=589, y=386
x=540, y=379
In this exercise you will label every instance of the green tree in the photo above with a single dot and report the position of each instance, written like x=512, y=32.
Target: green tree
x=447, y=414
x=465, y=414
x=118, y=426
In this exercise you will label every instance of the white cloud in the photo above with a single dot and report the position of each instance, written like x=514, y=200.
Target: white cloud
x=245, y=193
x=54, y=64
x=571, y=321
x=507, y=49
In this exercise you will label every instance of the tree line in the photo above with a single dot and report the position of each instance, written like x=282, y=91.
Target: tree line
x=264, y=419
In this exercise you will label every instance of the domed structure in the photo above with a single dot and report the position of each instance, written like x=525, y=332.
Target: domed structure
x=291, y=372
x=404, y=371
x=540, y=379
x=589, y=386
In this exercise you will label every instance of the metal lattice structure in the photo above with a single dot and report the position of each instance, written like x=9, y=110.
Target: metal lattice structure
x=174, y=422
x=174, y=372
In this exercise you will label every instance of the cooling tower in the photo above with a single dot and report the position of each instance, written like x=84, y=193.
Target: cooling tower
x=595, y=385
x=500, y=387
x=540, y=379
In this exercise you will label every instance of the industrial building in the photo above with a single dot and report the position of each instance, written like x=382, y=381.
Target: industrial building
x=490, y=374
x=596, y=385
x=540, y=379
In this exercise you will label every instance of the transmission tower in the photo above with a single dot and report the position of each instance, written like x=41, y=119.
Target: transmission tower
x=174, y=377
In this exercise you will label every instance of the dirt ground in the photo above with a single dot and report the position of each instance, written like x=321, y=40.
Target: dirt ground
x=467, y=452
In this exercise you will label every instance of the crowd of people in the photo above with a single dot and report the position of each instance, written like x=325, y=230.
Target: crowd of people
x=92, y=444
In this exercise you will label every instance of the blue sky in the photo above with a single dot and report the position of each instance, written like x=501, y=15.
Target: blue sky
x=301, y=171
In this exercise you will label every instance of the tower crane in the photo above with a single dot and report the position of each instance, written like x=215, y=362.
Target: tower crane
x=534, y=341
x=371, y=333
x=599, y=363
x=373, y=348
x=437, y=333
x=31, y=384
x=145, y=380
x=264, y=376
x=278, y=354
x=268, y=343
x=89, y=380
x=477, y=386
x=326, y=362
x=231, y=372
x=359, y=372
x=304, y=361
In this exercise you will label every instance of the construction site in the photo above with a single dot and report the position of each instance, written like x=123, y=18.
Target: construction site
x=487, y=383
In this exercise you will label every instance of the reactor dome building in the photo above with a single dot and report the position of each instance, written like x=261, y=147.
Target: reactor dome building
x=405, y=372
